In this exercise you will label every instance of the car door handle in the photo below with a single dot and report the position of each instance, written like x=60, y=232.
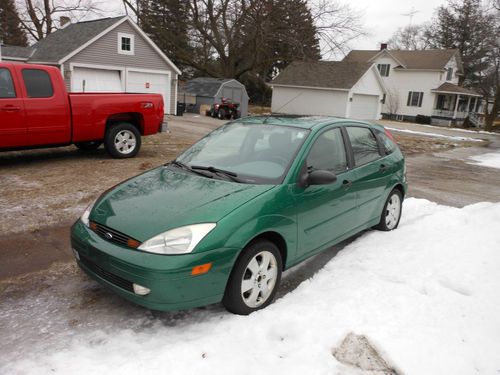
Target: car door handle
x=383, y=168
x=347, y=183
x=10, y=108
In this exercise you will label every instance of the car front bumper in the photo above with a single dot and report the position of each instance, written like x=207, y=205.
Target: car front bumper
x=172, y=287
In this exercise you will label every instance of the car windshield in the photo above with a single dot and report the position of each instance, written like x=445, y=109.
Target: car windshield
x=247, y=153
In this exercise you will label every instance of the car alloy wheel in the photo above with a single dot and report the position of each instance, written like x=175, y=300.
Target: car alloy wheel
x=125, y=142
x=392, y=211
x=255, y=278
x=259, y=279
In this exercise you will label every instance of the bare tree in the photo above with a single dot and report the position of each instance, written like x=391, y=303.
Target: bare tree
x=40, y=18
x=337, y=25
x=392, y=101
x=412, y=37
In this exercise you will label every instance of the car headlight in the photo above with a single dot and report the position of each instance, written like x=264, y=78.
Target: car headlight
x=179, y=240
x=85, y=217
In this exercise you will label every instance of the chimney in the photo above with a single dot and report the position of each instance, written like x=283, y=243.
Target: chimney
x=64, y=21
x=383, y=46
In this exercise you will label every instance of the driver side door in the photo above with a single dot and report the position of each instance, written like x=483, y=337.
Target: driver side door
x=325, y=212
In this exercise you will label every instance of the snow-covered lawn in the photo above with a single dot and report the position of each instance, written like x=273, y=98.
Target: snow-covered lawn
x=434, y=135
x=426, y=296
x=491, y=160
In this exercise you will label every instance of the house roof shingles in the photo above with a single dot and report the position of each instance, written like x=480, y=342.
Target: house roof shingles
x=324, y=74
x=434, y=59
x=16, y=51
x=451, y=88
x=62, y=42
x=204, y=86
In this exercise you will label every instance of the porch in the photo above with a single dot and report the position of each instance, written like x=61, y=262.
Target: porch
x=455, y=103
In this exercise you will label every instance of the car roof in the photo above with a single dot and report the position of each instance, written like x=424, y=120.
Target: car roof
x=303, y=122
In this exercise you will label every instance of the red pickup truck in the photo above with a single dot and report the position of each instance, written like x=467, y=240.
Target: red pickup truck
x=36, y=111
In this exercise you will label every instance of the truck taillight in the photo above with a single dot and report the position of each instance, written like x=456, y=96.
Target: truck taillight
x=147, y=105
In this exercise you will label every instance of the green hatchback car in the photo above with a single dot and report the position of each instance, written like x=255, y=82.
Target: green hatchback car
x=230, y=214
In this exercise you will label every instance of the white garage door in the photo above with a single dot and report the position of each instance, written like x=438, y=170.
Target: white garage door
x=364, y=107
x=150, y=83
x=96, y=80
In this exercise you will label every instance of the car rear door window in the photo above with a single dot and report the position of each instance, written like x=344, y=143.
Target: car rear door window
x=6, y=84
x=389, y=145
x=37, y=83
x=328, y=152
x=364, y=145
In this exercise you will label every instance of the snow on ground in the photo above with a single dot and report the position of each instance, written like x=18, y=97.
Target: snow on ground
x=491, y=160
x=435, y=135
x=426, y=296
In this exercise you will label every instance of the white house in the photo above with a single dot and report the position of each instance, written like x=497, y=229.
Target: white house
x=331, y=88
x=421, y=83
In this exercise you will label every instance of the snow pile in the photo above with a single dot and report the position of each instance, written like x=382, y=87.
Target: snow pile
x=491, y=160
x=426, y=297
x=435, y=135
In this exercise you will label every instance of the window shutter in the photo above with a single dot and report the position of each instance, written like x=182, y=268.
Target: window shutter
x=408, y=102
x=421, y=96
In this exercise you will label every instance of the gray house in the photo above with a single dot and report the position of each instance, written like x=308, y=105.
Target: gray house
x=207, y=90
x=105, y=55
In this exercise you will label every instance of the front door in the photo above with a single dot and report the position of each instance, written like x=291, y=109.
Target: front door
x=325, y=212
x=13, y=130
x=47, y=117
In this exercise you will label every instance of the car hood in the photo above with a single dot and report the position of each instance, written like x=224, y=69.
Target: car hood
x=162, y=199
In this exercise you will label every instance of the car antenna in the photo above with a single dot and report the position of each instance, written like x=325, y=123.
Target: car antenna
x=280, y=108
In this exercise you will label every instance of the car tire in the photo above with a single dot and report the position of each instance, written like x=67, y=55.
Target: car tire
x=122, y=140
x=262, y=282
x=88, y=146
x=391, y=214
x=221, y=114
x=236, y=115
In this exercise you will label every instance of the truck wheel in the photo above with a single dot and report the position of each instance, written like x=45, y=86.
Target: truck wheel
x=254, y=279
x=88, y=146
x=221, y=114
x=122, y=140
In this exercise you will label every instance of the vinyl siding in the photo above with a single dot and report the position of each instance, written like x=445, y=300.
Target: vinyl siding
x=104, y=51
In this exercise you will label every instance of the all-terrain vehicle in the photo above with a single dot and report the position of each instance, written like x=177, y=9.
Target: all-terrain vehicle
x=225, y=110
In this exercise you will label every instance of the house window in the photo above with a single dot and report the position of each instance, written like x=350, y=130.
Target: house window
x=126, y=44
x=384, y=69
x=449, y=74
x=415, y=99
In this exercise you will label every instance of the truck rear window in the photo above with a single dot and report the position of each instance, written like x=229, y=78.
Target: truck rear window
x=6, y=85
x=37, y=83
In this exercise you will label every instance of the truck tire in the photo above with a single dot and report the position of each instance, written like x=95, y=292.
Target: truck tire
x=89, y=145
x=122, y=140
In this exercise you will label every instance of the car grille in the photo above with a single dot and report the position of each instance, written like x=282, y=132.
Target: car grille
x=106, y=275
x=112, y=235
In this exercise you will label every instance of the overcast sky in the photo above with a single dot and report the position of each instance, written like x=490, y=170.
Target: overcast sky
x=380, y=18
x=383, y=17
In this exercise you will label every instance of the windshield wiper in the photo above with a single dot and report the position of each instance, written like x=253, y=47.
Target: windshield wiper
x=188, y=168
x=231, y=175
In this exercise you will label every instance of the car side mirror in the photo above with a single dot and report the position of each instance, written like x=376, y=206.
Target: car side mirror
x=317, y=177
x=321, y=177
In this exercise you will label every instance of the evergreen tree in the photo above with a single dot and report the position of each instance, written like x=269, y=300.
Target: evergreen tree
x=165, y=22
x=10, y=28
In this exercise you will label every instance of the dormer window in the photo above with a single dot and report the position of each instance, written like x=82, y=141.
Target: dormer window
x=384, y=69
x=126, y=44
x=449, y=74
